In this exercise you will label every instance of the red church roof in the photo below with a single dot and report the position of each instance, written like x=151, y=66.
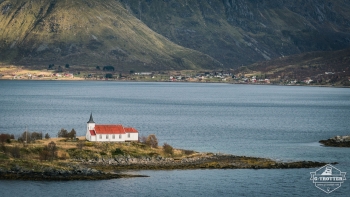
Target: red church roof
x=109, y=129
x=92, y=132
x=130, y=130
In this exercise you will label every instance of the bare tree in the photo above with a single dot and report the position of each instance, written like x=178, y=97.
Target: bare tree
x=152, y=141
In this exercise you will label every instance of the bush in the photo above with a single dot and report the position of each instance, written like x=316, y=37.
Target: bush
x=63, y=156
x=3, y=148
x=80, y=145
x=36, y=136
x=109, y=75
x=168, y=149
x=49, y=152
x=6, y=138
x=89, y=144
x=44, y=155
x=188, y=152
x=108, y=68
x=152, y=141
x=117, y=151
x=62, y=133
x=14, y=151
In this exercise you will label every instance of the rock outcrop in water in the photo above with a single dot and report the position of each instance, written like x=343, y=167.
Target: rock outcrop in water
x=337, y=141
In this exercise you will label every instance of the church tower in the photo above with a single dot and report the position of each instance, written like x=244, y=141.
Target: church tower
x=90, y=124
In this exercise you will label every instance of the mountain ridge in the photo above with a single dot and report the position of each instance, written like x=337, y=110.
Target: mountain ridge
x=98, y=33
x=168, y=34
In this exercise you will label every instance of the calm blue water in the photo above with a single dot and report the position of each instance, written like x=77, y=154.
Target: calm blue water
x=279, y=122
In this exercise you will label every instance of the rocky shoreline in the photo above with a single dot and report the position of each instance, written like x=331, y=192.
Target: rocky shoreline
x=51, y=174
x=337, y=141
x=106, y=168
x=204, y=161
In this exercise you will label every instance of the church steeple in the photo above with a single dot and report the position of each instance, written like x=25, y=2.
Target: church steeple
x=91, y=119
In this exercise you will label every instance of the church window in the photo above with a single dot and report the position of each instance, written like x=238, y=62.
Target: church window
x=100, y=136
x=106, y=136
x=128, y=135
x=120, y=136
x=113, y=136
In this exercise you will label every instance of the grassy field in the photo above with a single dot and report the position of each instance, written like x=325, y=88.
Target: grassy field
x=36, y=73
x=37, y=155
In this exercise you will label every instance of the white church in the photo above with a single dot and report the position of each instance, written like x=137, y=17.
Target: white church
x=110, y=133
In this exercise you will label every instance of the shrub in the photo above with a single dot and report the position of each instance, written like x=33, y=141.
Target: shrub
x=152, y=141
x=36, y=136
x=44, y=155
x=108, y=68
x=49, y=152
x=3, y=148
x=62, y=133
x=188, y=152
x=117, y=151
x=109, y=75
x=5, y=138
x=89, y=144
x=14, y=151
x=63, y=156
x=80, y=145
x=168, y=149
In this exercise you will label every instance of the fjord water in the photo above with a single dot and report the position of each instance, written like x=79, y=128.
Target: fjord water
x=278, y=122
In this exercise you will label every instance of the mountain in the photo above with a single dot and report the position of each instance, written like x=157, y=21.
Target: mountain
x=322, y=67
x=169, y=34
x=242, y=32
x=88, y=32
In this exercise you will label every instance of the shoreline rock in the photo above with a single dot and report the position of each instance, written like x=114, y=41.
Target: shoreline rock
x=51, y=174
x=203, y=162
x=106, y=168
x=337, y=141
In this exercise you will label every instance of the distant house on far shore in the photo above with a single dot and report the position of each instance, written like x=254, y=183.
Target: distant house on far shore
x=110, y=133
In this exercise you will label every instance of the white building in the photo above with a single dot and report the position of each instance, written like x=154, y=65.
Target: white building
x=110, y=133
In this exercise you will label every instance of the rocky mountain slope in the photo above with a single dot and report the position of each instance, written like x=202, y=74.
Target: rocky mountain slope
x=322, y=67
x=87, y=32
x=168, y=34
x=241, y=32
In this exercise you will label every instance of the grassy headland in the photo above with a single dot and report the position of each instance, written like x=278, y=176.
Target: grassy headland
x=65, y=159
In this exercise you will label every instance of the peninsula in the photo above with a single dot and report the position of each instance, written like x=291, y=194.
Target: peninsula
x=77, y=159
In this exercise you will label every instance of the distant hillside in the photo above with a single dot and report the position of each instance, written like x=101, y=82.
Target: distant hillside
x=321, y=67
x=87, y=32
x=168, y=34
x=242, y=32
